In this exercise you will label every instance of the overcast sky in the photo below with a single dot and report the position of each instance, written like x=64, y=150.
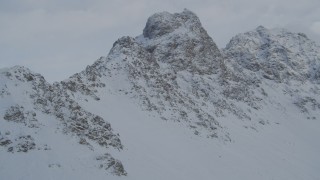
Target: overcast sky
x=58, y=38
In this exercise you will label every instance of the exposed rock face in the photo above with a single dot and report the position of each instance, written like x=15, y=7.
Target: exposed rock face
x=176, y=70
x=180, y=41
x=170, y=68
x=17, y=114
x=54, y=100
x=276, y=54
x=38, y=95
x=111, y=165
x=277, y=59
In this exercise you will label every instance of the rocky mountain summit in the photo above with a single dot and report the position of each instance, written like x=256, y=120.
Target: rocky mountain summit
x=180, y=40
x=279, y=59
x=276, y=54
x=173, y=72
x=175, y=69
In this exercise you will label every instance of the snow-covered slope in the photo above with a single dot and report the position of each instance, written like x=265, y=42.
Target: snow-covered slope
x=42, y=128
x=182, y=108
x=283, y=61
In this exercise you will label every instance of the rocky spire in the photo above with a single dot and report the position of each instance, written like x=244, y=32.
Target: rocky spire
x=180, y=40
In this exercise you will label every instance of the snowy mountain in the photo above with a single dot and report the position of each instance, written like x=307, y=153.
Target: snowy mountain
x=280, y=60
x=168, y=104
x=276, y=54
x=38, y=118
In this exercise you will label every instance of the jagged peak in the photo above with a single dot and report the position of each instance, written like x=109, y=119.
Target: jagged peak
x=263, y=35
x=261, y=28
x=15, y=68
x=125, y=45
x=179, y=40
x=277, y=54
x=163, y=23
x=124, y=41
x=274, y=31
x=21, y=73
